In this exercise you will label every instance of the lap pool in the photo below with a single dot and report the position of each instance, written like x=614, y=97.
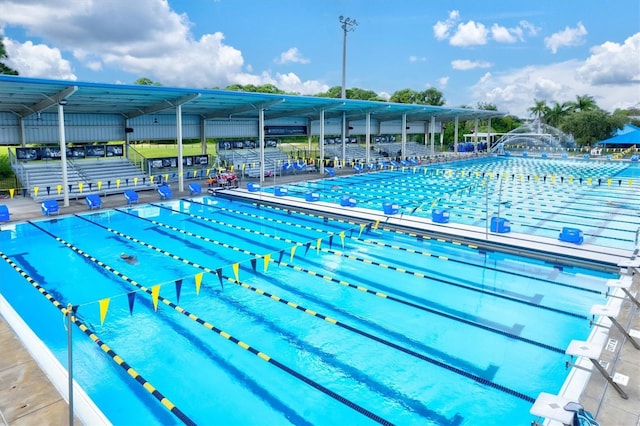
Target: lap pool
x=240, y=313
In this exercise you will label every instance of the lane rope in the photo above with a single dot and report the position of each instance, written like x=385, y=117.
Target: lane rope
x=213, y=328
x=103, y=346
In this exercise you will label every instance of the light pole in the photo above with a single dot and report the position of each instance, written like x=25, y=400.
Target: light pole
x=348, y=24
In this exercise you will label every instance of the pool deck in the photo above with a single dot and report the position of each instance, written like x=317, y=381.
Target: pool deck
x=27, y=397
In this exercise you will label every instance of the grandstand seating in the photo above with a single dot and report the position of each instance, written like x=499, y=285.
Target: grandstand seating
x=84, y=176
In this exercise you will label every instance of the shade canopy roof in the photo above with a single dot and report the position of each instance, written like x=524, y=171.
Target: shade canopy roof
x=26, y=96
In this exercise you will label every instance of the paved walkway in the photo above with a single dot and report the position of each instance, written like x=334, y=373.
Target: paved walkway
x=28, y=398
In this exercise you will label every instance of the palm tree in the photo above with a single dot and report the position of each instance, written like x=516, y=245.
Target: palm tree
x=584, y=103
x=538, y=109
x=3, y=68
x=553, y=116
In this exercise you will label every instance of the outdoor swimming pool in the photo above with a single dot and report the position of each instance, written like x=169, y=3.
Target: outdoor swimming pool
x=538, y=196
x=237, y=313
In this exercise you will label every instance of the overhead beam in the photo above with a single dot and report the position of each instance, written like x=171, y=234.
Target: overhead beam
x=310, y=112
x=49, y=101
x=228, y=112
x=163, y=105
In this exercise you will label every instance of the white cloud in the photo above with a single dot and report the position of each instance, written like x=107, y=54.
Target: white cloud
x=514, y=90
x=291, y=55
x=531, y=29
x=476, y=33
x=37, y=60
x=565, y=38
x=469, y=34
x=143, y=37
x=465, y=64
x=414, y=58
x=505, y=35
x=441, y=28
x=443, y=82
x=613, y=63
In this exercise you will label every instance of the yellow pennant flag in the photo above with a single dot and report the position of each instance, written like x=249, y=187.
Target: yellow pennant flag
x=293, y=252
x=362, y=226
x=59, y=187
x=155, y=293
x=135, y=181
x=342, y=238
x=166, y=177
x=198, y=282
x=375, y=225
x=150, y=179
x=12, y=191
x=195, y=173
x=267, y=258
x=236, y=271
x=80, y=186
x=609, y=181
x=104, y=307
x=99, y=185
x=117, y=183
x=35, y=191
x=318, y=242
x=630, y=184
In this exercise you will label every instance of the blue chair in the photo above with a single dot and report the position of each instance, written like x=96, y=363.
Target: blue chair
x=131, y=196
x=4, y=213
x=93, y=201
x=330, y=171
x=287, y=168
x=49, y=207
x=357, y=168
x=164, y=191
x=300, y=166
x=194, y=188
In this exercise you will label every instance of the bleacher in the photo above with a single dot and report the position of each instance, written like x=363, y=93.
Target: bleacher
x=43, y=180
x=274, y=160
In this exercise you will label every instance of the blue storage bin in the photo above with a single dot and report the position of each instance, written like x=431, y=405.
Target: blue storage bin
x=571, y=235
x=253, y=187
x=390, y=208
x=500, y=225
x=280, y=191
x=312, y=196
x=347, y=201
x=440, y=215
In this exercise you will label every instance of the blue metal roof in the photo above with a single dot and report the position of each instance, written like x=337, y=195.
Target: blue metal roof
x=25, y=96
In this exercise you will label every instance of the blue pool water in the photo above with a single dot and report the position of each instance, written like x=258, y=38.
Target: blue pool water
x=297, y=318
x=537, y=196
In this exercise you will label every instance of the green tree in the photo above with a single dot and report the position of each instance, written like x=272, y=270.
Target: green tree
x=145, y=81
x=553, y=116
x=538, y=109
x=584, y=103
x=334, y=92
x=431, y=96
x=4, y=69
x=591, y=126
x=362, y=94
x=405, y=96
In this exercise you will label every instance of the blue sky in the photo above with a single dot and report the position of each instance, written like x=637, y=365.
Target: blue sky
x=507, y=53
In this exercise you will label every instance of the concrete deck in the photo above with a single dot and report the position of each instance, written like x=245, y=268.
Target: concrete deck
x=28, y=398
